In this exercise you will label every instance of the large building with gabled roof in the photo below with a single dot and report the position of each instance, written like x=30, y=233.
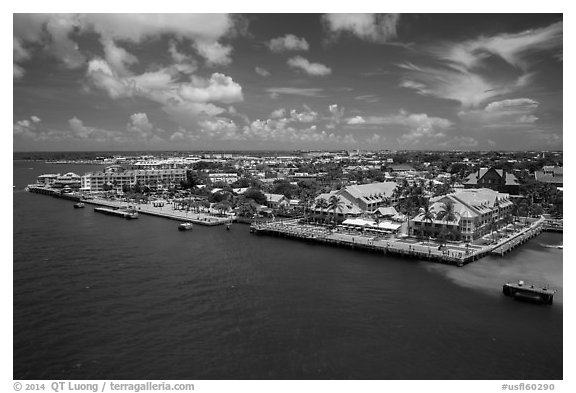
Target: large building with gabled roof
x=495, y=179
x=475, y=212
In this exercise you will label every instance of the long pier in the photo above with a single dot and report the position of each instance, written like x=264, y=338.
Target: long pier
x=452, y=253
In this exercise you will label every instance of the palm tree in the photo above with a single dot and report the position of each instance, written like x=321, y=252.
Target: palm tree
x=335, y=203
x=449, y=213
x=322, y=204
x=427, y=213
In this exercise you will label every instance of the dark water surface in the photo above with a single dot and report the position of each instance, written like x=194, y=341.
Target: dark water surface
x=99, y=297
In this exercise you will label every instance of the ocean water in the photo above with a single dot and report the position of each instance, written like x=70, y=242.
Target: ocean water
x=98, y=297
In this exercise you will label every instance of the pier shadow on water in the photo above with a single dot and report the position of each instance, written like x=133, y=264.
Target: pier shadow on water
x=536, y=262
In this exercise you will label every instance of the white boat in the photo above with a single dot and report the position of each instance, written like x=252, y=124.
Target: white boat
x=185, y=226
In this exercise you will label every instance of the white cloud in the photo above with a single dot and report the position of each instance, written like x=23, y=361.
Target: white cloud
x=79, y=129
x=289, y=42
x=262, y=71
x=378, y=28
x=118, y=58
x=140, y=126
x=297, y=91
x=278, y=113
x=514, y=48
x=314, y=69
x=303, y=117
x=219, y=88
x=54, y=32
x=182, y=100
x=460, y=141
x=356, y=120
x=468, y=88
x=460, y=75
x=505, y=114
x=26, y=128
x=215, y=53
x=18, y=72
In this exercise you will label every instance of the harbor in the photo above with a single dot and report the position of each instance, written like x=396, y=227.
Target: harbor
x=159, y=210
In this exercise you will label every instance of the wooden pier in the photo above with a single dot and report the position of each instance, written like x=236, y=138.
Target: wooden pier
x=452, y=255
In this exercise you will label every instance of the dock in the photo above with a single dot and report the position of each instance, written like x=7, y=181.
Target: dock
x=553, y=225
x=529, y=292
x=164, y=212
x=124, y=213
x=450, y=253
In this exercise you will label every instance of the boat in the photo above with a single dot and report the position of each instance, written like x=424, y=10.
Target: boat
x=79, y=205
x=185, y=226
x=228, y=226
x=529, y=292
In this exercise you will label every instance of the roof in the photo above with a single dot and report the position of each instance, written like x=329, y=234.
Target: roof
x=274, y=197
x=386, y=211
x=346, y=206
x=473, y=178
x=549, y=178
x=371, y=192
x=401, y=167
x=387, y=225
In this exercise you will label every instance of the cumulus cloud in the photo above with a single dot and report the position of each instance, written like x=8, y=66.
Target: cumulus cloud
x=314, y=69
x=183, y=100
x=356, y=120
x=215, y=53
x=289, y=42
x=56, y=33
x=303, y=117
x=278, y=113
x=140, y=126
x=27, y=128
x=459, y=74
x=262, y=71
x=379, y=28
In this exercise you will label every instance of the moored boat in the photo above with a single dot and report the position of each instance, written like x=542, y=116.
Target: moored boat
x=185, y=226
x=529, y=292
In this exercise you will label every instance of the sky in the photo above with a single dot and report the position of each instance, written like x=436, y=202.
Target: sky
x=287, y=81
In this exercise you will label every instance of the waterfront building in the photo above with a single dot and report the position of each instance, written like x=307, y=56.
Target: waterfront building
x=274, y=201
x=69, y=179
x=551, y=174
x=494, y=179
x=476, y=213
x=100, y=181
x=357, y=199
x=227, y=178
x=47, y=179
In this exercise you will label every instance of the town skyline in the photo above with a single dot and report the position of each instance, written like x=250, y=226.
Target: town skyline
x=127, y=82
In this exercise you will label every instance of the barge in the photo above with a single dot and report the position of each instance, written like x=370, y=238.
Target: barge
x=129, y=214
x=528, y=292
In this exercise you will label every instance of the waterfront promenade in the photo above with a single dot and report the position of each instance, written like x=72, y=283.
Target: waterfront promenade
x=165, y=210
x=160, y=209
x=455, y=253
